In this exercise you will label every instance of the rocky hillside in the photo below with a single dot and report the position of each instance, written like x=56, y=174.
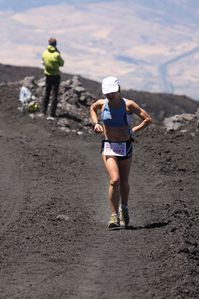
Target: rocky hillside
x=54, y=240
x=158, y=105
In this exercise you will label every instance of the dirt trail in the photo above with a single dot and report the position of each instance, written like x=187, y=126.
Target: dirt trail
x=54, y=240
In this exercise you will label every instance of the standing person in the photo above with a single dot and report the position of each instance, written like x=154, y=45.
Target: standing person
x=117, y=143
x=52, y=60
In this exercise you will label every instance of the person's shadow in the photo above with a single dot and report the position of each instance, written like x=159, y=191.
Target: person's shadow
x=146, y=226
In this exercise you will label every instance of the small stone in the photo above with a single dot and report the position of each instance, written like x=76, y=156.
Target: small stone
x=62, y=217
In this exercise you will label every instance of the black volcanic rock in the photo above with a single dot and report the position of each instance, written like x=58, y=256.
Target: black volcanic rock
x=158, y=105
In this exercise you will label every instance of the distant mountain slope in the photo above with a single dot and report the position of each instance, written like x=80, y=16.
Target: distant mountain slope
x=157, y=104
x=153, y=48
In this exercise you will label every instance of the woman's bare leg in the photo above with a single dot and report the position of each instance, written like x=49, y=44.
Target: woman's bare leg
x=124, y=170
x=111, y=164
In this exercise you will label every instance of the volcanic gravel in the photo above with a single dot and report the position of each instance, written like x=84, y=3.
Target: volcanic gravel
x=54, y=240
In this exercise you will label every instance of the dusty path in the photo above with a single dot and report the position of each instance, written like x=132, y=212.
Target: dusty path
x=54, y=241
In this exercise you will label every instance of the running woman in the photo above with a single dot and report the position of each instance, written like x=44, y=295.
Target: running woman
x=115, y=127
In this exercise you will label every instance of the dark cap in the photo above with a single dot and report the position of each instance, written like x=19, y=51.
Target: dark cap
x=52, y=41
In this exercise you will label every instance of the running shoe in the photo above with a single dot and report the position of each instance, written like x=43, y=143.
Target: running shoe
x=124, y=217
x=50, y=118
x=114, y=221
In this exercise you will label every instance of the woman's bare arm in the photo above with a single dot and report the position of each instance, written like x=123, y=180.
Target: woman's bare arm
x=135, y=108
x=94, y=117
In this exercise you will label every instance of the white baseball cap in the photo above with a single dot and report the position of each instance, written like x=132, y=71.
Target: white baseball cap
x=110, y=84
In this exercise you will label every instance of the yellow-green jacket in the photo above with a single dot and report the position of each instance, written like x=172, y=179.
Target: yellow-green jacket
x=52, y=61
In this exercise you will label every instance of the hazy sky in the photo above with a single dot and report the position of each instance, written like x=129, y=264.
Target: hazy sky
x=149, y=45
